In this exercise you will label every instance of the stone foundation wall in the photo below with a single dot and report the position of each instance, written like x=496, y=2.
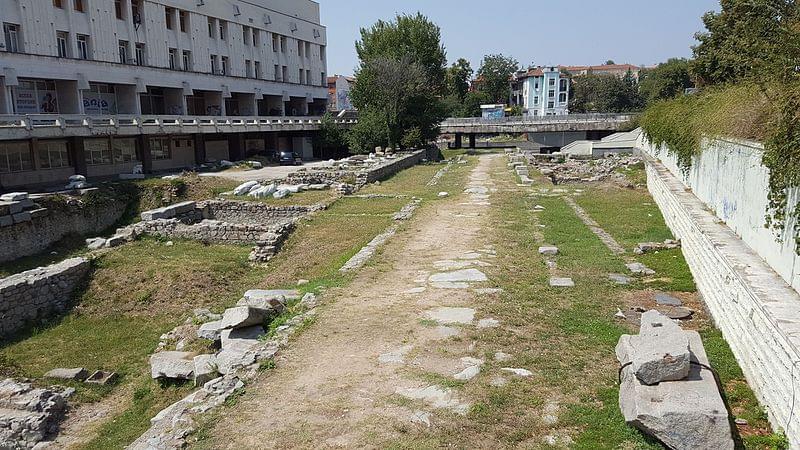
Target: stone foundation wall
x=51, y=225
x=212, y=231
x=390, y=168
x=757, y=311
x=252, y=213
x=38, y=294
x=361, y=176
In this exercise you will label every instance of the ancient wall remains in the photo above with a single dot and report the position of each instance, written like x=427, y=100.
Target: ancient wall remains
x=252, y=213
x=43, y=227
x=38, y=294
x=757, y=311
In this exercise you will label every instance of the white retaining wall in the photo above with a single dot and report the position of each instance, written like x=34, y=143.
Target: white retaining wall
x=729, y=178
x=757, y=311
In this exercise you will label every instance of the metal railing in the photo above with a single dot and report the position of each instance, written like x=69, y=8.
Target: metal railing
x=65, y=121
x=537, y=120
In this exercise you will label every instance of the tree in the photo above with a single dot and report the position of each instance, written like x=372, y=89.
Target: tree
x=472, y=103
x=458, y=77
x=494, y=76
x=747, y=38
x=605, y=94
x=666, y=81
x=331, y=137
x=399, y=83
x=610, y=62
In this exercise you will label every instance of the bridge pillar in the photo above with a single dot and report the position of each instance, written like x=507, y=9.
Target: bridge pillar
x=472, y=140
x=458, y=140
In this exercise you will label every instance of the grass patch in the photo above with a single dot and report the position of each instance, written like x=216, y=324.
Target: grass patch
x=68, y=247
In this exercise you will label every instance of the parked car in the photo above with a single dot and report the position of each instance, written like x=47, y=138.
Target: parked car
x=288, y=158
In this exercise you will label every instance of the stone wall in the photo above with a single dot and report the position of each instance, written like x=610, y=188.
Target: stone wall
x=391, y=167
x=49, y=226
x=253, y=213
x=360, y=175
x=38, y=294
x=757, y=311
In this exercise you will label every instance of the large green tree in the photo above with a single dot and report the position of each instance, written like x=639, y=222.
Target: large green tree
x=399, y=83
x=494, y=76
x=605, y=94
x=458, y=78
x=666, y=81
x=747, y=38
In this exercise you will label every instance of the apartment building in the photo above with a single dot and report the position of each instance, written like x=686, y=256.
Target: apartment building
x=339, y=93
x=541, y=91
x=154, y=58
x=617, y=70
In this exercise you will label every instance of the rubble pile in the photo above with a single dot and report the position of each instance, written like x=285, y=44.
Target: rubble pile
x=28, y=416
x=588, y=171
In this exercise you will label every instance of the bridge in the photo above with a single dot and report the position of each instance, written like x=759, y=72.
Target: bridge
x=46, y=126
x=577, y=126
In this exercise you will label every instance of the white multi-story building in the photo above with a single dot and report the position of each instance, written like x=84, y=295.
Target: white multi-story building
x=541, y=91
x=175, y=57
x=113, y=60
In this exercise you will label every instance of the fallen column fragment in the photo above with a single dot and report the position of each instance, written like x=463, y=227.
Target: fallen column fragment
x=683, y=414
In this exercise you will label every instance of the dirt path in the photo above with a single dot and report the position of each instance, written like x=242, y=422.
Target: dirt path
x=378, y=360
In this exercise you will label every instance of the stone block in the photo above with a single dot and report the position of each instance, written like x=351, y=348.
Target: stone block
x=22, y=217
x=172, y=365
x=288, y=294
x=561, y=282
x=242, y=339
x=116, y=241
x=39, y=213
x=95, y=243
x=205, y=369
x=78, y=374
x=14, y=196
x=243, y=317
x=102, y=377
x=548, y=251
x=210, y=330
x=684, y=415
x=6, y=221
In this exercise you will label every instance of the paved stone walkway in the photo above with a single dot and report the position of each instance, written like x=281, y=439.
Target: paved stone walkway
x=362, y=366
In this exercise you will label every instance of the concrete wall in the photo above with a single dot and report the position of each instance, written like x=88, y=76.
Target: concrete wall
x=729, y=178
x=30, y=238
x=758, y=313
x=35, y=295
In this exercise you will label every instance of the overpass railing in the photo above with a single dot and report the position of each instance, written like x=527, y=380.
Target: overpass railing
x=539, y=120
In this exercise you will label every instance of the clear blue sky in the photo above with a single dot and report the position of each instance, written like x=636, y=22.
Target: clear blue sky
x=568, y=32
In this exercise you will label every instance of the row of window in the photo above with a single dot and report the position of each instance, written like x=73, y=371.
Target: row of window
x=18, y=156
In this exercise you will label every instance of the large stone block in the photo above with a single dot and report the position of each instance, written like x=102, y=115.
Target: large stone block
x=210, y=330
x=243, y=317
x=659, y=353
x=685, y=415
x=172, y=365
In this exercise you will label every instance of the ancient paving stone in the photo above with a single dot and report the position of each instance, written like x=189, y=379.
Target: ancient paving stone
x=421, y=418
x=498, y=381
x=480, y=190
x=619, y=278
x=468, y=373
x=676, y=312
x=452, y=265
x=78, y=374
x=447, y=315
x=465, y=275
x=488, y=323
x=172, y=365
x=561, y=282
x=470, y=256
x=395, y=356
x=488, y=291
x=450, y=285
x=548, y=250
x=416, y=290
x=502, y=357
x=640, y=269
x=436, y=396
x=524, y=373
x=443, y=332
x=667, y=300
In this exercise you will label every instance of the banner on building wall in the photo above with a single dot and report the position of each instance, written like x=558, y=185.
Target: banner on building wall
x=99, y=104
x=34, y=101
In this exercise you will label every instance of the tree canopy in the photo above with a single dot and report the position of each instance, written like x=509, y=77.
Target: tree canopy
x=458, y=78
x=666, y=81
x=605, y=93
x=494, y=75
x=399, y=84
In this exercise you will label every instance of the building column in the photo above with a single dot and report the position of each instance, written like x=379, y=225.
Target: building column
x=458, y=142
x=199, y=149
x=79, y=155
x=147, y=159
x=472, y=140
x=236, y=147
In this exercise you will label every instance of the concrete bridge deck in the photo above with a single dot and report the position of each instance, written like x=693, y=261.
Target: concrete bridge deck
x=541, y=124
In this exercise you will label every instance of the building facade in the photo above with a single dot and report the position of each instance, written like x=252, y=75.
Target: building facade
x=541, y=91
x=617, y=70
x=339, y=93
x=154, y=58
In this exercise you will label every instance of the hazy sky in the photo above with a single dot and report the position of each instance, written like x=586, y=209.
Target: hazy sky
x=543, y=32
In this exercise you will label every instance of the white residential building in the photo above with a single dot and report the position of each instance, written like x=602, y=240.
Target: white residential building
x=174, y=57
x=541, y=91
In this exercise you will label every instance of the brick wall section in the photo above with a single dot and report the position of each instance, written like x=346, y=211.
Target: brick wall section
x=757, y=311
x=38, y=294
x=253, y=213
x=50, y=226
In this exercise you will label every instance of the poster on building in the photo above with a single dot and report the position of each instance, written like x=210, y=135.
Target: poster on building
x=99, y=104
x=33, y=101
